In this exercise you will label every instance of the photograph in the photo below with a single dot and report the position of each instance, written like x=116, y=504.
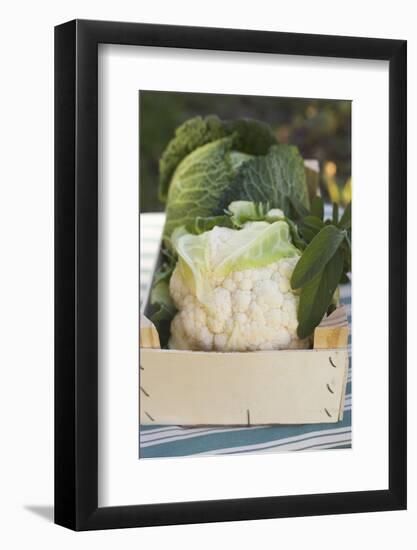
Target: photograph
x=208, y=245
x=245, y=274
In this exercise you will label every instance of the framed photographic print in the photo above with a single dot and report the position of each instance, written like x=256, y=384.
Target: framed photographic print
x=230, y=247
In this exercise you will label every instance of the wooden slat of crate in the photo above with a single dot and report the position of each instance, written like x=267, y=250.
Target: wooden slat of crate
x=148, y=337
x=333, y=331
x=275, y=387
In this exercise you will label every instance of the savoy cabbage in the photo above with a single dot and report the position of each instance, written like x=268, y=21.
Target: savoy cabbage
x=210, y=163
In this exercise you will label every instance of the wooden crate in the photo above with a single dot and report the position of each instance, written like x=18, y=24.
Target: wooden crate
x=245, y=388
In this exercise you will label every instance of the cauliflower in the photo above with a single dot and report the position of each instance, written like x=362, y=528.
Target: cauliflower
x=232, y=290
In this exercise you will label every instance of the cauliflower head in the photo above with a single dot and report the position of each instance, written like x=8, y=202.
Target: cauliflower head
x=232, y=290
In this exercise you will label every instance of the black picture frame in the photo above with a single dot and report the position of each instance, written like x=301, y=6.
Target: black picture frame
x=76, y=272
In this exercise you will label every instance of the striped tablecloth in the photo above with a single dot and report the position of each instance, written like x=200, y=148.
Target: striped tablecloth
x=171, y=441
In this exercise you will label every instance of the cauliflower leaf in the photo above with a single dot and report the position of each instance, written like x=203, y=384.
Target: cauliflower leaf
x=216, y=253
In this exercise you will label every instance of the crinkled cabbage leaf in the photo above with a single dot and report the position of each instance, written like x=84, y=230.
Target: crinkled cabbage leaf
x=250, y=137
x=277, y=178
x=209, y=179
x=198, y=185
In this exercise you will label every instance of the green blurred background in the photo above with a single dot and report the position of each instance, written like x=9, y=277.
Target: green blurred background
x=321, y=128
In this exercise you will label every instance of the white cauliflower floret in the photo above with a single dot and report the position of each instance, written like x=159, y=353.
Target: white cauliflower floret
x=241, y=300
x=248, y=310
x=232, y=286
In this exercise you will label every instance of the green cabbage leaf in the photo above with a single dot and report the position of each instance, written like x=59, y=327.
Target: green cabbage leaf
x=198, y=185
x=210, y=178
x=251, y=137
x=194, y=133
x=277, y=178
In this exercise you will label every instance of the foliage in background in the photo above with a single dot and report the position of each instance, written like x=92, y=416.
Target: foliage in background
x=320, y=128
